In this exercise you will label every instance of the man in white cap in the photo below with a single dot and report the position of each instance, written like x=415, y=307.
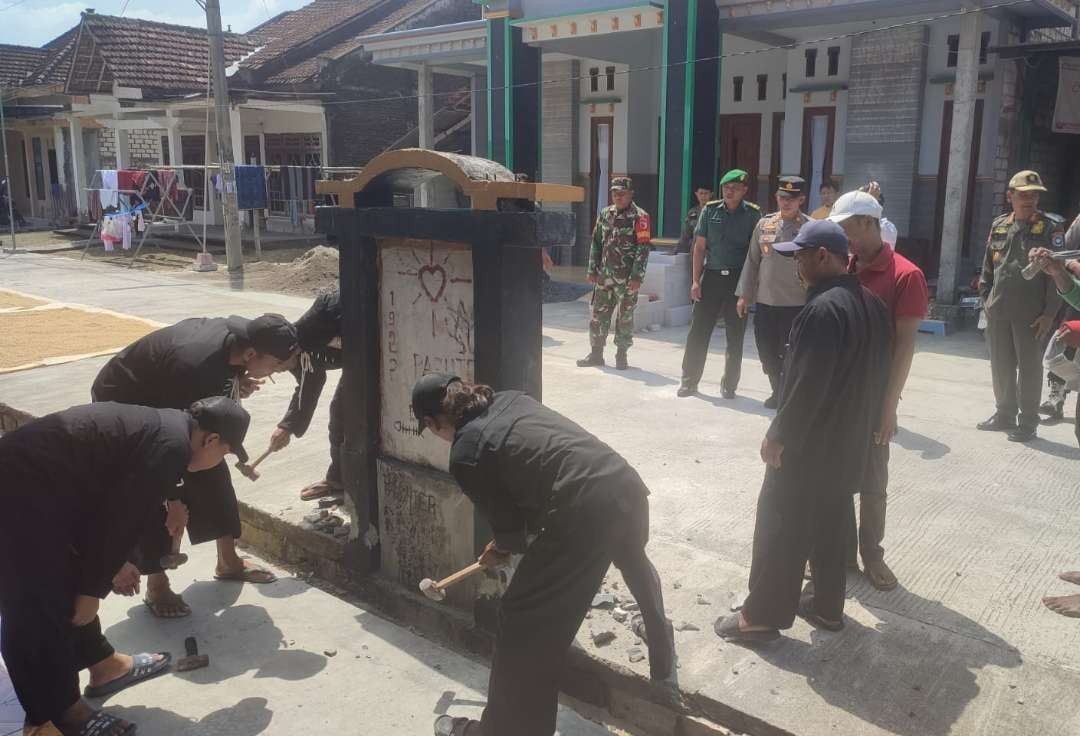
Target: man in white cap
x=902, y=286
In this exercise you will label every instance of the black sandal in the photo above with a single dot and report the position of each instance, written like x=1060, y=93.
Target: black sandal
x=727, y=628
x=807, y=614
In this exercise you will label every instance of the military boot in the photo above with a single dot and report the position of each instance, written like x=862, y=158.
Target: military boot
x=620, y=360
x=594, y=359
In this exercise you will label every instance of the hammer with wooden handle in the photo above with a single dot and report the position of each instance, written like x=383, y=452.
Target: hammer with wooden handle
x=436, y=591
x=248, y=471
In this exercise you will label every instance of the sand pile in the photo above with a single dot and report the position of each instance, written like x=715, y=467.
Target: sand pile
x=311, y=273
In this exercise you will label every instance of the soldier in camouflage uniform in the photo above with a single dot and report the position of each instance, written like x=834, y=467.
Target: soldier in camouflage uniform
x=1018, y=312
x=620, y=252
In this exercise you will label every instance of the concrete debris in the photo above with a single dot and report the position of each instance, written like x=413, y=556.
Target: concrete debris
x=703, y=601
x=686, y=626
x=635, y=654
x=328, y=503
x=603, y=638
x=632, y=606
x=323, y=513
x=619, y=615
x=676, y=585
x=312, y=518
x=604, y=600
x=330, y=652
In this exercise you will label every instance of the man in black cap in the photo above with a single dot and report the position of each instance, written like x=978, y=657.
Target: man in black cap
x=531, y=471
x=319, y=334
x=94, y=476
x=818, y=445
x=169, y=369
x=770, y=279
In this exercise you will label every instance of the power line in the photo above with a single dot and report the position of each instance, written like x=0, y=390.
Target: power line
x=12, y=5
x=720, y=57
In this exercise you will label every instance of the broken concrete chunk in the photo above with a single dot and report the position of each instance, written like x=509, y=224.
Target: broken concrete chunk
x=325, y=503
x=311, y=518
x=619, y=615
x=604, y=600
x=703, y=601
x=603, y=638
x=330, y=652
x=686, y=626
x=635, y=654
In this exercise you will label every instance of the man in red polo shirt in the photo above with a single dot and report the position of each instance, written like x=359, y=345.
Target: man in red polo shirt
x=902, y=286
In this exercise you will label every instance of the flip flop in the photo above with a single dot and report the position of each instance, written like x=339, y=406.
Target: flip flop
x=254, y=575
x=142, y=668
x=449, y=726
x=173, y=600
x=320, y=490
x=102, y=723
x=727, y=628
x=807, y=614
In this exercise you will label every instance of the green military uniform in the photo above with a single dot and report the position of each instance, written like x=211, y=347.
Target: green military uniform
x=619, y=255
x=1013, y=303
x=686, y=240
x=727, y=236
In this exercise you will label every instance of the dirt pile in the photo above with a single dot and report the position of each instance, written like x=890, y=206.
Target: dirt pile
x=311, y=273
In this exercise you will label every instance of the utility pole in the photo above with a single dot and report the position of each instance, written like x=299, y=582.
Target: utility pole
x=7, y=172
x=233, y=254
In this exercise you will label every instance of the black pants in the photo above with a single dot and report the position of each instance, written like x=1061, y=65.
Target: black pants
x=336, y=428
x=772, y=325
x=547, y=600
x=213, y=513
x=796, y=523
x=41, y=649
x=872, y=501
x=717, y=298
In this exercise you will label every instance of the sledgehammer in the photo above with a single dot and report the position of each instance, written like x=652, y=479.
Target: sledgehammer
x=436, y=591
x=248, y=471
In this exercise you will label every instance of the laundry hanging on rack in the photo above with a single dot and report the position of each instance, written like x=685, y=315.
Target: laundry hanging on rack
x=298, y=183
x=251, y=187
x=130, y=180
x=109, y=195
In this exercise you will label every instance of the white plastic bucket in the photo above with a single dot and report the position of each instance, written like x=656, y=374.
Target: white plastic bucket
x=1055, y=361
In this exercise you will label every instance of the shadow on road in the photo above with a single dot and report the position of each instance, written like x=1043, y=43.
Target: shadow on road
x=921, y=675
x=247, y=718
x=929, y=448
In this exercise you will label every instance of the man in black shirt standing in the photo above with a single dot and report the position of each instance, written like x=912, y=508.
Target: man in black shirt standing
x=819, y=443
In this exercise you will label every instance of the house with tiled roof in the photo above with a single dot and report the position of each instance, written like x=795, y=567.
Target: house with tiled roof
x=118, y=92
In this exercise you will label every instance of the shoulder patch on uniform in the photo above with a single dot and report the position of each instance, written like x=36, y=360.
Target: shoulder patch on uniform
x=714, y=201
x=752, y=204
x=1059, y=240
x=1001, y=218
x=1054, y=218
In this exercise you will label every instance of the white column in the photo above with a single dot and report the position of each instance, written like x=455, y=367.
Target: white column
x=425, y=120
x=31, y=185
x=78, y=164
x=426, y=116
x=791, y=143
x=237, y=132
x=123, y=152
x=61, y=157
x=479, y=115
x=956, y=183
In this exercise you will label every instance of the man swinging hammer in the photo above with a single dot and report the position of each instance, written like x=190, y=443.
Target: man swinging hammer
x=530, y=470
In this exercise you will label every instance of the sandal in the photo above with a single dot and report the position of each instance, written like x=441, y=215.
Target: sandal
x=168, y=602
x=102, y=723
x=807, y=614
x=254, y=575
x=320, y=490
x=728, y=629
x=142, y=668
x=450, y=726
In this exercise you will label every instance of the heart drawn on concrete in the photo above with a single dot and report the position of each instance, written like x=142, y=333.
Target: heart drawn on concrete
x=432, y=281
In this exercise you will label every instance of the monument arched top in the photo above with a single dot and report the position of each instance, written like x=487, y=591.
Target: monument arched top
x=483, y=181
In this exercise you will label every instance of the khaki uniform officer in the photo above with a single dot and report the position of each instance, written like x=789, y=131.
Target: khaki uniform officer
x=1018, y=312
x=770, y=279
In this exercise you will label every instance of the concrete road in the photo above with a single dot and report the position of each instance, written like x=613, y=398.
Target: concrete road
x=978, y=527
x=285, y=658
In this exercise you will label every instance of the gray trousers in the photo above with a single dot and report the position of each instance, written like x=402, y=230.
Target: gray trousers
x=1016, y=367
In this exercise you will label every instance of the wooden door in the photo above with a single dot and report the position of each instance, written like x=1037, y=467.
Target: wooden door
x=601, y=160
x=930, y=268
x=819, y=134
x=740, y=147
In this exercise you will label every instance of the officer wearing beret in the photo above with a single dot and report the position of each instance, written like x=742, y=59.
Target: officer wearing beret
x=1018, y=312
x=770, y=280
x=721, y=241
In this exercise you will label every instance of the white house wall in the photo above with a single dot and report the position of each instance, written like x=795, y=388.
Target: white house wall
x=617, y=110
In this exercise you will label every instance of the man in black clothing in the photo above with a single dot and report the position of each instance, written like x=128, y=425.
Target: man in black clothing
x=95, y=474
x=169, y=369
x=319, y=335
x=818, y=445
x=531, y=471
